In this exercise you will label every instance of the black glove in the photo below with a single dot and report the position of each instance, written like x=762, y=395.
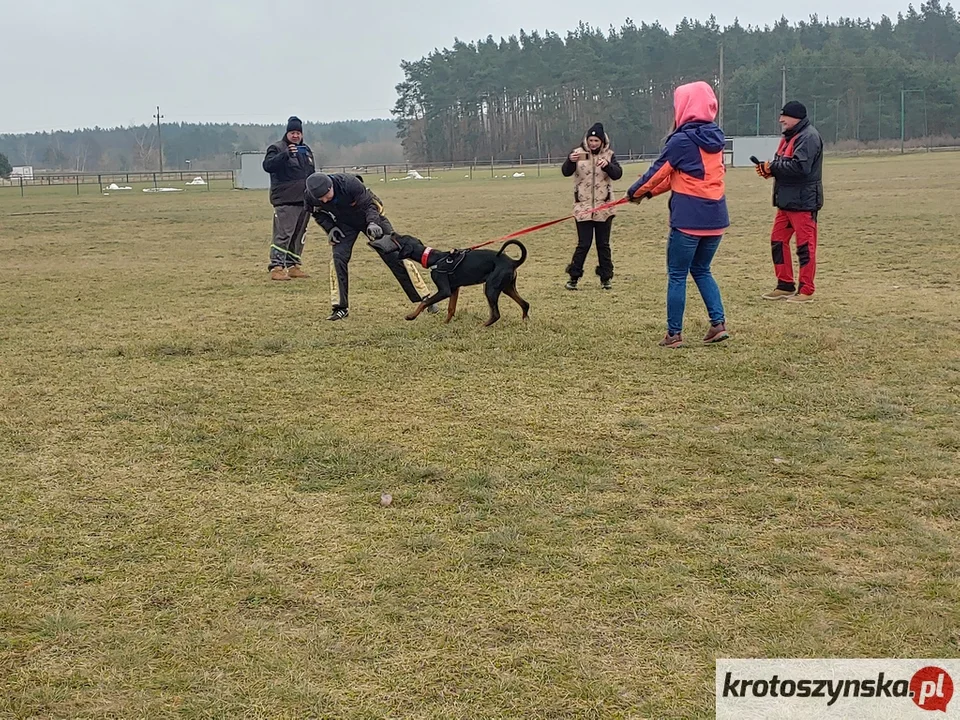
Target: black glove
x=374, y=231
x=335, y=236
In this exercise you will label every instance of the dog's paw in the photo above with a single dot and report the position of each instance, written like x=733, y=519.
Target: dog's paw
x=411, y=316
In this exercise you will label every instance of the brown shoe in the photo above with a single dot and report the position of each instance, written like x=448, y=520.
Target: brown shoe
x=718, y=333
x=295, y=272
x=779, y=294
x=279, y=273
x=800, y=298
x=671, y=341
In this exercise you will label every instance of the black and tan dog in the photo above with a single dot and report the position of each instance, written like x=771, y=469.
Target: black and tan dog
x=452, y=270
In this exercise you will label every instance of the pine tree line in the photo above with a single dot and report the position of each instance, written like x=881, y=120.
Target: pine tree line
x=534, y=95
x=207, y=146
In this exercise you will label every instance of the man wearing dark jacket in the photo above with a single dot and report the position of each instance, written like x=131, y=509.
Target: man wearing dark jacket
x=344, y=207
x=797, y=172
x=290, y=163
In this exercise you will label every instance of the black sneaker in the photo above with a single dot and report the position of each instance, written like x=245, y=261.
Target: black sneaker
x=605, y=284
x=571, y=285
x=339, y=314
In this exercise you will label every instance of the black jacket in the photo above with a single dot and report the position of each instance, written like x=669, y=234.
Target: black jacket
x=288, y=173
x=353, y=205
x=797, y=169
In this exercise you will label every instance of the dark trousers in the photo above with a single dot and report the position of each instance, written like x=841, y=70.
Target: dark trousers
x=586, y=230
x=343, y=251
x=289, y=227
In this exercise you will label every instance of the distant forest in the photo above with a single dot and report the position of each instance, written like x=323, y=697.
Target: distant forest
x=207, y=146
x=536, y=94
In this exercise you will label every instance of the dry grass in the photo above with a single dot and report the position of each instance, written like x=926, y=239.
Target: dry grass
x=189, y=508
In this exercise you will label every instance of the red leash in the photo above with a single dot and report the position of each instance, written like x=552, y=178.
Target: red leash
x=541, y=226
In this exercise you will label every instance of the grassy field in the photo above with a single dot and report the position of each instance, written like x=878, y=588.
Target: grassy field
x=582, y=522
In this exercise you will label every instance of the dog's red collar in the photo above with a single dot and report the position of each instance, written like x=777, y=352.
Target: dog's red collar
x=425, y=256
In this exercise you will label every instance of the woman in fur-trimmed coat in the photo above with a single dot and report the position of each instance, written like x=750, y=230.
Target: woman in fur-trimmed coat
x=594, y=167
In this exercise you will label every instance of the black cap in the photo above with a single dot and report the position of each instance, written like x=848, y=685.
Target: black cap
x=794, y=109
x=596, y=131
x=294, y=123
x=318, y=185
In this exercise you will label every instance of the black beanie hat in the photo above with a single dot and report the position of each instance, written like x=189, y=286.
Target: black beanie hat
x=318, y=185
x=597, y=132
x=294, y=123
x=794, y=109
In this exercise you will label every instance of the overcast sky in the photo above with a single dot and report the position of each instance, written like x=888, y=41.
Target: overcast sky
x=80, y=63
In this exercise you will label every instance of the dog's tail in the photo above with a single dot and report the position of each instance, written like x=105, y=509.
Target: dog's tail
x=523, y=251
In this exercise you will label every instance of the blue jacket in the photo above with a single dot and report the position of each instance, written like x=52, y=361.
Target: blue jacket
x=691, y=165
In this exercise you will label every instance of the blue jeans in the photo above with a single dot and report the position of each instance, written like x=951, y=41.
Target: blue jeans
x=693, y=255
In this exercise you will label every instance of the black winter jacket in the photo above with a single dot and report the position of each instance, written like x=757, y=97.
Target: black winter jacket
x=288, y=173
x=353, y=205
x=797, y=169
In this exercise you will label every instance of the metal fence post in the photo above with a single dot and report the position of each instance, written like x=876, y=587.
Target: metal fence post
x=78, y=183
x=21, y=186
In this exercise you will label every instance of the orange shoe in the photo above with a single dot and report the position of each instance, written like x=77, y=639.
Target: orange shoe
x=296, y=273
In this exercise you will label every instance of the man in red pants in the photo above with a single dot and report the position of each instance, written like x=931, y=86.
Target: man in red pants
x=797, y=172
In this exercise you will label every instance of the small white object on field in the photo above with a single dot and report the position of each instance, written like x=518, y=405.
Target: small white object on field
x=519, y=174
x=386, y=499
x=779, y=461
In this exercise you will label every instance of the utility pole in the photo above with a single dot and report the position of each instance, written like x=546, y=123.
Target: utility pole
x=721, y=85
x=902, y=134
x=159, y=117
x=538, y=146
x=879, y=116
x=783, y=86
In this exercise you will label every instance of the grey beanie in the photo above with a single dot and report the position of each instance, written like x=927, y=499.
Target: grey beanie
x=318, y=185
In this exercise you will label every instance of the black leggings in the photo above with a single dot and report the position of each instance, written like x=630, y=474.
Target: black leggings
x=585, y=232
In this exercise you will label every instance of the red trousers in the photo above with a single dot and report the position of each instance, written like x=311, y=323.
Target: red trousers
x=804, y=224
